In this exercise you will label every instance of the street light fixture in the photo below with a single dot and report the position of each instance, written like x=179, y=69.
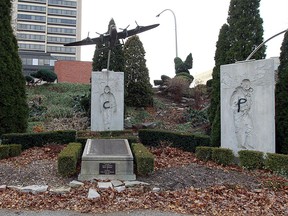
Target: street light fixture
x=175, y=27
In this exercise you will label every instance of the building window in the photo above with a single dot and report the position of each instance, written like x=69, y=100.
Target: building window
x=39, y=1
x=34, y=18
x=62, y=21
x=31, y=8
x=38, y=47
x=66, y=31
x=63, y=3
x=61, y=49
x=31, y=37
x=37, y=28
x=61, y=40
x=60, y=12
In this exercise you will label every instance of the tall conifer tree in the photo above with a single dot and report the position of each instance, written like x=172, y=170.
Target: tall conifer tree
x=245, y=30
x=137, y=82
x=222, y=47
x=236, y=42
x=13, y=105
x=281, y=97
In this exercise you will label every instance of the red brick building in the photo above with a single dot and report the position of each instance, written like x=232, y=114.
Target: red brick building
x=73, y=71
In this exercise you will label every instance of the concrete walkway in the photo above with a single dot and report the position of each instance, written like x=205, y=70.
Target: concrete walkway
x=6, y=212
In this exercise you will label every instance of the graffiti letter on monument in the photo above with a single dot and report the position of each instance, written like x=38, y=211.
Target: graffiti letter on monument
x=241, y=102
x=108, y=106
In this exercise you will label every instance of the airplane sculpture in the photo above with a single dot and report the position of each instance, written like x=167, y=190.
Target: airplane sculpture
x=112, y=36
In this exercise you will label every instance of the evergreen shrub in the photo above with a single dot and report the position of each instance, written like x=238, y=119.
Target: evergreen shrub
x=204, y=153
x=68, y=159
x=15, y=150
x=251, y=159
x=4, y=151
x=144, y=159
x=29, y=140
x=277, y=163
x=223, y=156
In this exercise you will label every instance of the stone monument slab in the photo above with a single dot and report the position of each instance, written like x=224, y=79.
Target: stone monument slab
x=107, y=101
x=248, y=106
x=107, y=159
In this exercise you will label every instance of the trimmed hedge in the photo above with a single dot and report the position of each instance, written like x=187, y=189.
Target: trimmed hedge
x=68, y=159
x=186, y=142
x=144, y=159
x=204, y=153
x=277, y=163
x=4, y=151
x=223, y=156
x=15, y=150
x=29, y=140
x=251, y=159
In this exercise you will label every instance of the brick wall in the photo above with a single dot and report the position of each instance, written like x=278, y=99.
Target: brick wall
x=73, y=71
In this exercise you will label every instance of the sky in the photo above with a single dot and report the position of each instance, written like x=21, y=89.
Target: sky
x=197, y=28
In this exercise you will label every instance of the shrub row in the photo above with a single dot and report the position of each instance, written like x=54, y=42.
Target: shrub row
x=248, y=159
x=144, y=160
x=11, y=150
x=130, y=139
x=28, y=140
x=186, y=142
x=222, y=156
x=68, y=159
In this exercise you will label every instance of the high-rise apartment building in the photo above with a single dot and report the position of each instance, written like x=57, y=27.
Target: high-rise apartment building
x=43, y=26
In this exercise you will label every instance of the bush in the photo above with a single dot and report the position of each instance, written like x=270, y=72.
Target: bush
x=251, y=159
x=29, y=140
x=143, y=158
x=222, y=156
x=204, y=152
x=68, y=158
x=186, y=142
x=177, y=87
x=15, y=150
x=45, y=75
x=4, y=151
x=277, y=163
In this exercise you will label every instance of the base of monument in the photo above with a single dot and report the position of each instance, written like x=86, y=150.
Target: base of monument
x=107, y=177
x=107, y=159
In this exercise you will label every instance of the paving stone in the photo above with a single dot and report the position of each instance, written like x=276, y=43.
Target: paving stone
x=60, y=190
x=74, y=184
x=120, y=188
x=92, y=194
x=3, y=187
x=134, y=183
x=105, y=185
x=117, y=183
x=34, y=189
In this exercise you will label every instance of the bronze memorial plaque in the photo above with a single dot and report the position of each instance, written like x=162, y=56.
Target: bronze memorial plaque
x=107, y=168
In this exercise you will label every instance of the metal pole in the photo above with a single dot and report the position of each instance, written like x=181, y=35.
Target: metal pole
x=257, y=48
x=175, y=27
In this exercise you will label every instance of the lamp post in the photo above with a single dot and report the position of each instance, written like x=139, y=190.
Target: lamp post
x=175, y=27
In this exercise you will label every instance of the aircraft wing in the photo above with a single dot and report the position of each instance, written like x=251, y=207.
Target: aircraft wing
x=89, y=41
x=137, y=30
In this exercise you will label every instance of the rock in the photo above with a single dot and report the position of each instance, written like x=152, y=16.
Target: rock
x=60, y=190
x=3, y=187
x=134, y=183
x=104, y=185
x=117, y=183
x=92, y=194
x=34, y=189
x=74, y=184
x=120, y=188
x=156, y=189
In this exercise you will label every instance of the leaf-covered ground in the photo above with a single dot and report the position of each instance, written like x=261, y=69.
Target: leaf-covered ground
x=198, y=188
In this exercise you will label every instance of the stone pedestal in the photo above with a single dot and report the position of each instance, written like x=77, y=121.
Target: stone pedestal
x=248, y=106
x=107, y=159
x=107, y=101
